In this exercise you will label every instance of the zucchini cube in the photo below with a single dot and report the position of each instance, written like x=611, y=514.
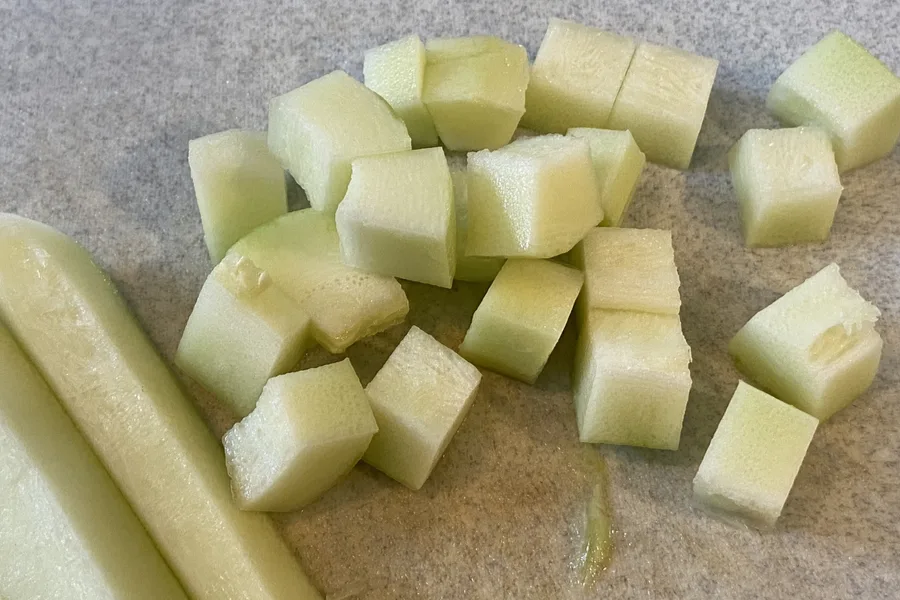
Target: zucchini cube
x=631, y=379
x=628, y=269
x=816, y=347
x=420, y=397
x=534, y=198
x=243, y=330
x=838, y=86
x=521, y=318
x=576, y=77
x=754, y=457
x=618, y=163
x=475, y=90
x=398, y=217
x=787, y=185
x=306, y=433
x=239, y=186
x=663, y=102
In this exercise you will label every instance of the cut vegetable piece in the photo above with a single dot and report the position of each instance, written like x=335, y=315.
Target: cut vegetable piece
x=305, y=434
x=239, y=186
x=815, y=347
x=521, y=318
x=420, y=397
x=319, y=128
x=618, y=163
x=124, y=400
x=631, y=379
x=475, y=90
x=469, y=268
x=535, y=198
x=628, y=269
x=575, y=78
x=244, y=329
x=398, y=219
x=754, y=457
x=663, y=101
x=66, y=531
x=838, y=86
x=396, y=72
x=301, y=253
x=787, y=185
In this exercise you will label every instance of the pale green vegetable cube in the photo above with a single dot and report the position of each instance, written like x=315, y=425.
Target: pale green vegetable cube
x=815, y=347
x=307, y=431
x=754, y=457
x=631, y=379
x=243, y=330
x=319, y=128
x=521, y=318
x=475, y=90
x=125, y=401
x=534, y=198
x=398, y=217
x=576, y=77
x=663, y=101
x=420, y=397
x=838, y=86
x=618, y=163
x=469, y=268
x=302, y=254
x=628, y=269
x=239, y=186
x=787, y=184
x=66, y=531
x=396, y=72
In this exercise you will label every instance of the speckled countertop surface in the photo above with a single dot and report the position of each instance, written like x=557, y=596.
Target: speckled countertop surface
x=99, y=99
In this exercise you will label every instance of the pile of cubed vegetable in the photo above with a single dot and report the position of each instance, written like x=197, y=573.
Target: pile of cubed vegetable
x=521, y=210
x=536, y=214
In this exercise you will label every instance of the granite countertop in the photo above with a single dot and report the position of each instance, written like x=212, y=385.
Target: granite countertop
x=99, y=99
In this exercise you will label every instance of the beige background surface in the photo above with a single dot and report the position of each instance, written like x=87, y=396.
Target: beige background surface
x=99, y=99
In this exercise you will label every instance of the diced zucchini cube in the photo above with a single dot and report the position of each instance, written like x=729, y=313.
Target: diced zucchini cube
x=475, y=90
x=521, y=318
x=319, y=128
x=575, y=78
x=307, y=431
x=534, y=198
x=663, y=101
x=469, y=268
x=787, y=184
x=754, y=457
x=244, y=330
x=628, y=269
x=302, y=254
x=815, y=347
x=396, y=72
x=239, y=186
x=618, y=163
x=838, y=86
x=420, y=397
x=631, y=379
x=398, y=217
